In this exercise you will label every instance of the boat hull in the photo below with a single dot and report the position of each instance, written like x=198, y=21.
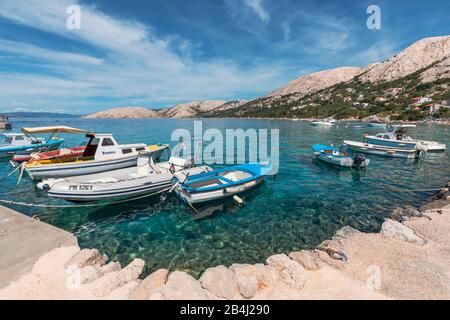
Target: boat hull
x=10, y=151
x=122, y=183
x=391, y=143
x=430, y=145
x=381, y=151
x=216, y=195
x=62, y=170
x=346, y=162
x=86, y=192
x=58, y=154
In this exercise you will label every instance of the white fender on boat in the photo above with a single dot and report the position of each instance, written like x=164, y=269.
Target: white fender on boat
x=238, y=200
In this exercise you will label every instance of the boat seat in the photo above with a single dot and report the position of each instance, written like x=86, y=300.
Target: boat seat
x=178, y=162
x=137, y=175
x=64, y=152
x=231, y=176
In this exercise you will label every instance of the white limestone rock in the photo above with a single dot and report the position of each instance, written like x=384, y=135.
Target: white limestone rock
x=246, y=278
x=119, y=278
x=291, y=273
x=396, y=230
x=181, y=286
x=306, y=259
x=150, y=285
x=221, y=281
x=90, y=273
x=110, y=267
x=87, y=257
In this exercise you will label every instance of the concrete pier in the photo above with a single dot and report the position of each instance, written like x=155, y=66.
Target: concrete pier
x=23, y=240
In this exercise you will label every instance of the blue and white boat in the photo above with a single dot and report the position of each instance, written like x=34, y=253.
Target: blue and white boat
x=220, y=184
x=19, y=143
x=396, y=136
x=385, y=151
x=335, y=156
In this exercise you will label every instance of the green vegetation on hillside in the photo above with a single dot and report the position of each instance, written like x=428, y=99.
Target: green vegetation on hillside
x=353, y=99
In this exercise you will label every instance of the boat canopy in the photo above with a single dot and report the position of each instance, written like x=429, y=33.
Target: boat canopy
x=399, y=127
x=55, y=129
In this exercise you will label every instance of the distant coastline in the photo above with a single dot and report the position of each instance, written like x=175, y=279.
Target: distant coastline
x=40, y=115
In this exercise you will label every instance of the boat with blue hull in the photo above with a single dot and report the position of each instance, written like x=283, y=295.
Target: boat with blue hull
x=396, y=136
x=337, y=157
x=19, y=143
x=385, y=151
x=220, y=184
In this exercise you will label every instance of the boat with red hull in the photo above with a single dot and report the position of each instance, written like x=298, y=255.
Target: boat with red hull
x=50, y=155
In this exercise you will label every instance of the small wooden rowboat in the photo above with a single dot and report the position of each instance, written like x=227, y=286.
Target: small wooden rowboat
x=220, y=184
x=334, y=156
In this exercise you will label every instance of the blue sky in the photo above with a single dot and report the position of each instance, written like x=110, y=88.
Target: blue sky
x=161, y=52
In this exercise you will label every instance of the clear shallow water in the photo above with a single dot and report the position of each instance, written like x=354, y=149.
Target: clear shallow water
x=305, y=204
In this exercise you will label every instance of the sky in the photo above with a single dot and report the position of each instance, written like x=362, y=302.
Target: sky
x=157, y=53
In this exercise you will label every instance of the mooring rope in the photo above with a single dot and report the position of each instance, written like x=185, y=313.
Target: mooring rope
x=38, y=205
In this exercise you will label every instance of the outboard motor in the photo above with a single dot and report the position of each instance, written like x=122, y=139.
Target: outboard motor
x=358, y=160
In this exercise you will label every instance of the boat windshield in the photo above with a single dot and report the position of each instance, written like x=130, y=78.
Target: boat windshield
x=91, y=147
x=8, y=140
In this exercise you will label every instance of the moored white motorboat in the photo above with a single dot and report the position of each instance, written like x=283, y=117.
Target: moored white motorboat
x=220, y=184
x=102, y=153
x=328, y=122
x=145, y=178
x=385, y=151
x=397, y=136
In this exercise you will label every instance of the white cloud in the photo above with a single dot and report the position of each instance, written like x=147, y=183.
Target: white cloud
x=258, y=8
x=135, y=65
x=31, y=51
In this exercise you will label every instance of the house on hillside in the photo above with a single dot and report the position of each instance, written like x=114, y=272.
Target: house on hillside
x=421, y=100
x=363, y=105
x=431, y=108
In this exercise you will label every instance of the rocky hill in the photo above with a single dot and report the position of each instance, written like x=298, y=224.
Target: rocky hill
x=383, y=89
x=317, y=81
x=123, y=113
x=185, y=110
x=191, y=109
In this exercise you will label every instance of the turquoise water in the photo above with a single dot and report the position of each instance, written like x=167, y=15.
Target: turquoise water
x=304, y=205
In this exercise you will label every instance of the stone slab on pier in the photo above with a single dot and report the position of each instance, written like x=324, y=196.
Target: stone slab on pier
x=23, y=240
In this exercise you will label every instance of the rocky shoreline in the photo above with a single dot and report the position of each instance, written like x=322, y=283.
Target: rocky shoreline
x=407, y=259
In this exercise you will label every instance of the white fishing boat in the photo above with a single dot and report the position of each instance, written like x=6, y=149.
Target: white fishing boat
x=397, y=136
x=328, y=122
x=385, y=151
x=145, y=178
x=102, y=153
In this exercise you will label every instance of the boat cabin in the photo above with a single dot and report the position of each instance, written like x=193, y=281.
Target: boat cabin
x=104, y=146
x=20, y=139
x=396, y=132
